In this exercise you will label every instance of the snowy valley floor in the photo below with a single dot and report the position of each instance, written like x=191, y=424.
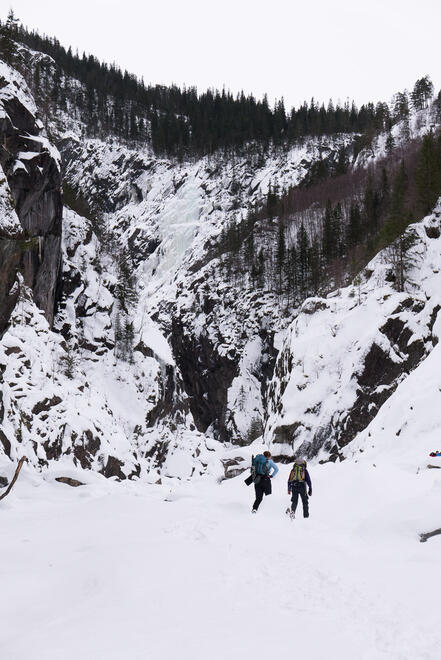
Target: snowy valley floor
x=110, y=571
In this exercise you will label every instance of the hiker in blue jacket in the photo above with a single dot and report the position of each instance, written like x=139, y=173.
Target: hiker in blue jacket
x=298, y=480
x=265, y=469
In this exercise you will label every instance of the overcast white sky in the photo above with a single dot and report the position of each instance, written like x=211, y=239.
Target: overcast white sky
x=297, y=49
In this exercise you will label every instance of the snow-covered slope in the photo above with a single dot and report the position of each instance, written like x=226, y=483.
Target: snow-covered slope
x=68, y=397
x=407, y=426
x=111, y=570
x=345, y=355
x=67, y=393
x=10, y=224
x=169, y=217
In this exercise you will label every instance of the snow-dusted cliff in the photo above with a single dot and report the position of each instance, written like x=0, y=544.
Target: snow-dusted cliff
x=160, y=361
x=344, y=356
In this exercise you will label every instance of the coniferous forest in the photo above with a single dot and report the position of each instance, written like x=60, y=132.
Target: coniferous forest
x=295, y=242
x=285, y=247
x=185, y=123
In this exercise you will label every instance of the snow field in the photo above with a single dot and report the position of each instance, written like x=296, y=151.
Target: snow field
x=138, y=571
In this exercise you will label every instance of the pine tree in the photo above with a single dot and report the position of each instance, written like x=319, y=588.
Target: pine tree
x=249, y=241
x=428, y=172
x=271, y=202
x=56, y=87
x=438, y=106
x=422, y=93
x=390, y=143
x=260, y=270
x=401, y=105
x=396, y=223
x=327, y=234
x=394, y=234
x=315, y=266
x=400, y=256
x=133, y=130
x=117, y=333
x=128, y=339
x=371, y=204
x=342, y=163
x=280, y=255
x=337, y=226
x=69, y=360
x=302, y=257
x=125, y=289
x=8, y=47
x=241, y=399
x=353, y=230
x=255, y=430
x=384, y=191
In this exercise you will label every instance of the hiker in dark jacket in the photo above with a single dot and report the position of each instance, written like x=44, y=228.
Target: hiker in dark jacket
x=299, y=483
x=265, y=470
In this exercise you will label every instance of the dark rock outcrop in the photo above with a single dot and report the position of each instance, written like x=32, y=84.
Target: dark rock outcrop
x=86, y=448
x=206, y=375
x=34, y=180
x=69, y=481
x=5, y=443
x=46, y=404
x=234, y=466
x=432, y=232
x=403, y=341
x=381, y=376
x=9, y=264
x=113, y=468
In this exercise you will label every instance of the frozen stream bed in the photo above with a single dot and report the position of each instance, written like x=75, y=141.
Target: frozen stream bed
x=110, y=571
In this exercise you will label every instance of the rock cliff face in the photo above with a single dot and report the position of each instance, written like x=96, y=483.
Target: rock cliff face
x=9, y=263
x=206, y=377
x=151, y=353
x=74, y=388
x=32, y=177
x=344, y=356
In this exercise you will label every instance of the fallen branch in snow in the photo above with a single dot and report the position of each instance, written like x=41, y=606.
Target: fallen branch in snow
x=17, y=472
x=427, y=535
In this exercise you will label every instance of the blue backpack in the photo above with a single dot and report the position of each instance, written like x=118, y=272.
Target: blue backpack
x=260, y=464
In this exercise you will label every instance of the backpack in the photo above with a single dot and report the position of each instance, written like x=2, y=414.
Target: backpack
x=298, y=472
x=260, y=464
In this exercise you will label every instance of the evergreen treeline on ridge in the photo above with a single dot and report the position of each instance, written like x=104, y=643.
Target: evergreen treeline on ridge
x=287, y=247
x=181, y=122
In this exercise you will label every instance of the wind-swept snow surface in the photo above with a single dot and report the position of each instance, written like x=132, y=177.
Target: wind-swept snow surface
x=133, y=571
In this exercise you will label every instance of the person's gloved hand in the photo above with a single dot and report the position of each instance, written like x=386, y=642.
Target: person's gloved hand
x=310, y=492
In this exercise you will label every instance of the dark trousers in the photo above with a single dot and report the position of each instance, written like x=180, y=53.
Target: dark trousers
x=262, y=487
x=300, y=489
